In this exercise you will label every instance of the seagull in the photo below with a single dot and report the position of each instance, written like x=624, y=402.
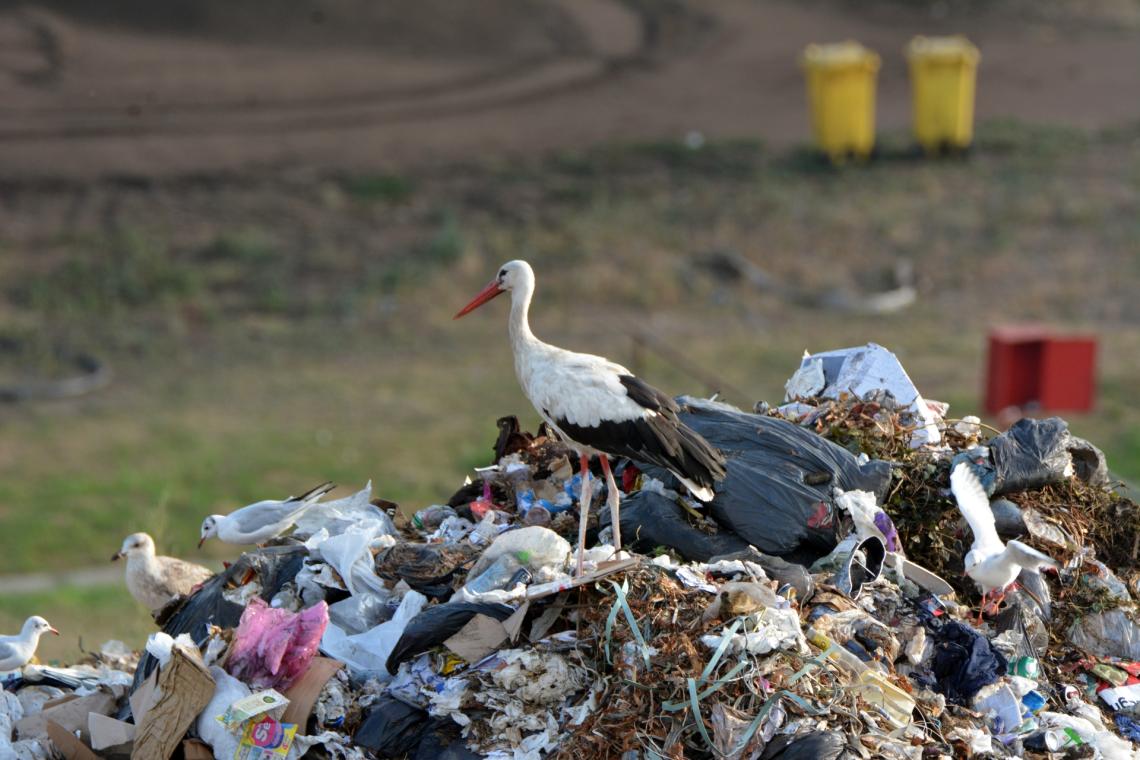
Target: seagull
x=257, y=523
x=16, y=651
x=992, y=564
x=599, y=407
x=154, y=580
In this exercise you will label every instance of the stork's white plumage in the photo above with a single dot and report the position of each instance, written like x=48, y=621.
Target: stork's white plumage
x=991, y=563
x=598, y=406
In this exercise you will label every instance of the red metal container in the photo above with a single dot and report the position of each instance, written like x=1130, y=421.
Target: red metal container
x=1034, y=364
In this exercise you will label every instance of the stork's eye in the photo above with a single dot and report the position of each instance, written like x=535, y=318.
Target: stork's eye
x=502, y=273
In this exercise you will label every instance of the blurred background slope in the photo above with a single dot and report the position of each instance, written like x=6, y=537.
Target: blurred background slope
x=262, y=216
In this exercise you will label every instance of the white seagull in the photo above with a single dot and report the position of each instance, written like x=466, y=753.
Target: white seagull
x=599, y=407
x=992, y=564
x=16, y=651
x=257, y=523
x=155, y=580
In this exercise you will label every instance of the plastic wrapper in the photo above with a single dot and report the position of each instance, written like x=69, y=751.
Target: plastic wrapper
x=273, y=647
x=367, y=652
x=1112, y=633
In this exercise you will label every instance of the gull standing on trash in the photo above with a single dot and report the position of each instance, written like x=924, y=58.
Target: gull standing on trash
x=992, y=564
x=16, y=651
x=599, y=407
x=257, y=523
x=155, y=580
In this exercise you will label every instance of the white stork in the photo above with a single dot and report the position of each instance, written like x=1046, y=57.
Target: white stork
x=599, y=407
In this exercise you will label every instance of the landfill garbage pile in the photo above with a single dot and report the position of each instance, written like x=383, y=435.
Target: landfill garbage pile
x=816, y=608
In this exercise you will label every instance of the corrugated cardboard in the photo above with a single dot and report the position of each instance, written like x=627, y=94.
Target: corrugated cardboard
x=71, y=714
x=481, y=636
x=67, y=744
x=192, y=749
x=185, y=687
x=107, y=732
x=303, y=694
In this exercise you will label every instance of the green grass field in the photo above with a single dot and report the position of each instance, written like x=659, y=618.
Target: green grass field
x=268, y=335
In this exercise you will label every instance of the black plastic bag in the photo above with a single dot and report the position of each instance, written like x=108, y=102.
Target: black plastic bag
x=649, y=520
x=777, y=494
x=438, y=623
x=391, y=728
x=822, y=745
x=273, y=567
x=442, y=741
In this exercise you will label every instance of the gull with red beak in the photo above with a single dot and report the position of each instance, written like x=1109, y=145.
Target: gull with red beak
x=17, y=651
x=599, y=407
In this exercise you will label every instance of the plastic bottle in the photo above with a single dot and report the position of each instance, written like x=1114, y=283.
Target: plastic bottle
x=497, y=576
x=431, y=517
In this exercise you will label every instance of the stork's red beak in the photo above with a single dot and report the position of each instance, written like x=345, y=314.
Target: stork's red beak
x=485, y=295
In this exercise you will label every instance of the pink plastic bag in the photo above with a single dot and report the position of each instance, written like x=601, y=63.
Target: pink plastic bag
x=272, y=647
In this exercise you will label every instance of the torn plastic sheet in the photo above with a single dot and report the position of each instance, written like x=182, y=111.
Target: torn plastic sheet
x=336, y=517
x=761, y=632
x=868, y=373
x=350, y=554
x=367, y=652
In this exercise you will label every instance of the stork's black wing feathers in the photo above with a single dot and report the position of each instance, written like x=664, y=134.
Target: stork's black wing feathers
x=660, y=439
x=646, y=395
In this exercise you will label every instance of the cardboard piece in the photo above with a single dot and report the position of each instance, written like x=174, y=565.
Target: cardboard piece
x=67, y=744
x=144, y=697
x=544, y=622
x=107, y=732
x=304, y=693
x=192, y=749
x=71, y=714
x=481, y=636
x=513, y=624
x=185, y=688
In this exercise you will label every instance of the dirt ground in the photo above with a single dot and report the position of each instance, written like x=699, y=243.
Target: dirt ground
x=203, y=89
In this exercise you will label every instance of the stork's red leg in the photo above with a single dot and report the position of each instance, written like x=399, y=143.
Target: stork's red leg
x=583, y=509
x=614, y=498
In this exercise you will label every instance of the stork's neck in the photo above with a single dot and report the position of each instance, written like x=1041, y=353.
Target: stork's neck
x=521, y=336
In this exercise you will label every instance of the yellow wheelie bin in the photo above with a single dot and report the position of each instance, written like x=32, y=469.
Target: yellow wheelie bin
x=943, y=76
x=841, y=93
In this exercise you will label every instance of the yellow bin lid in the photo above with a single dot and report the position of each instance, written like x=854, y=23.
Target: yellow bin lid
x=956, y=49
x=839, y=55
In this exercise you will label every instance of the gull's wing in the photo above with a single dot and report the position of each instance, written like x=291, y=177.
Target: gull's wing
x=7, y=649
x=254, y=517
x=975, y=507
x=179, y=576
x=1028, y=557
